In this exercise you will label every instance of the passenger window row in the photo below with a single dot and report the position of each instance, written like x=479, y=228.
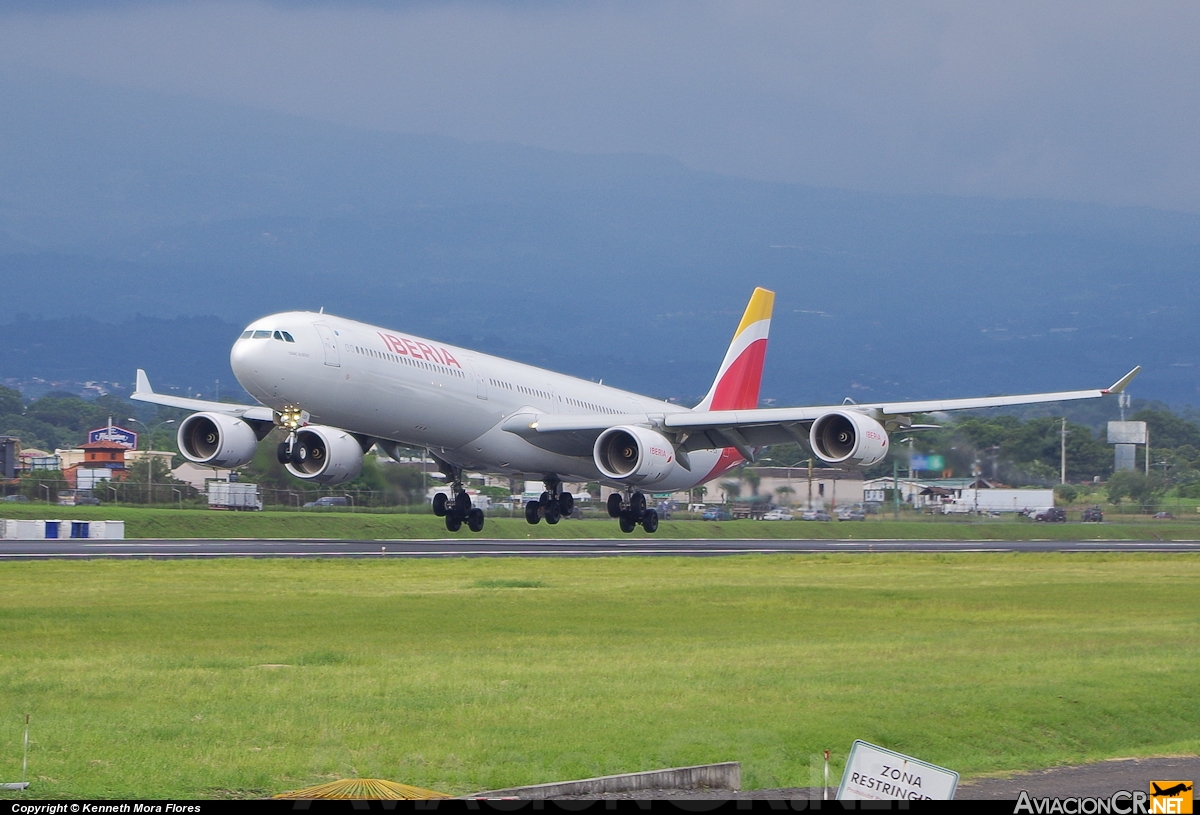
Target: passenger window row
x=414, y=363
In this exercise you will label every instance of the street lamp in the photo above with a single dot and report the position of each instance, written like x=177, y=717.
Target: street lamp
x=150, y=459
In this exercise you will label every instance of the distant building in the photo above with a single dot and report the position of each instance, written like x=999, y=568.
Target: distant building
x=10, y=450
x=197, y=474
x=33, y=459
x=102, y=461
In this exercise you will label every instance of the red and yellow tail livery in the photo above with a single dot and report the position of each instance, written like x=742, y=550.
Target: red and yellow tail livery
x=737, y=383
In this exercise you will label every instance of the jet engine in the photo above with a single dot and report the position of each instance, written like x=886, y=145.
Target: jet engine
x=634, y=455
x=846, y=435
x=216, y=439
x=326, y=455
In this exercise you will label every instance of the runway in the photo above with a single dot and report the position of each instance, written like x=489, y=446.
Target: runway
x=487, y=547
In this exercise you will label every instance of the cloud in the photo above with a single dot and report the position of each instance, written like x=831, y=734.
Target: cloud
x=1086, y=101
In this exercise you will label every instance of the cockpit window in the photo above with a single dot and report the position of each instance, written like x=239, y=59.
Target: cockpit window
x=277, y=336
x=262, y=335
x=246, y=335
x=287, y=337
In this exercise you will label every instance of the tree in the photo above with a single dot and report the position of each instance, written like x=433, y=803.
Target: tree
x=10, y=401
x=732, y=488
x=1142, y=489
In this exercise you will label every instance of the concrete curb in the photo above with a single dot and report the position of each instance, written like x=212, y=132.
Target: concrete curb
x=724, y=776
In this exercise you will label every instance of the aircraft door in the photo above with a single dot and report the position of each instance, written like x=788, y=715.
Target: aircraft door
x=332, y=357
x=481, y=383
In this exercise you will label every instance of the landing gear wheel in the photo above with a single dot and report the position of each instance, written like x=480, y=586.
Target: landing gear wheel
x=637, y=505
x=532, y=512
x=299, y=453
x=281, y=453
x=453, y=521
x=545, y=498
x=650, y=522
x=550, y=511
x=566, y=504
x=439, y=504
x=627, y=523
x=462, y=502
x=475, y=520
x=614, y=505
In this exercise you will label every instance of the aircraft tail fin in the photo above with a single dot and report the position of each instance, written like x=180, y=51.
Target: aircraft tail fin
x=737, y=383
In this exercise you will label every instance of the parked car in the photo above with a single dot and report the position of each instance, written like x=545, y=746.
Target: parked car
x=1164, y=516
x=16, y=499
x=1093, y=514
x=716, y=514
x=329, y=501
x=1052, y=515
x=815, y=515
x=851, y=514
x=777, y=515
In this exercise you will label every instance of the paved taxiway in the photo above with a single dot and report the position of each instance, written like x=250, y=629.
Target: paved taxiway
x=485, y=547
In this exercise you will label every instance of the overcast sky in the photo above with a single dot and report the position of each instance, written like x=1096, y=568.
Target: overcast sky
x=1089, y=101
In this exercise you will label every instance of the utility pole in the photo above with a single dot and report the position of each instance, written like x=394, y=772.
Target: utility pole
x=1063, y=445
x=895, y=489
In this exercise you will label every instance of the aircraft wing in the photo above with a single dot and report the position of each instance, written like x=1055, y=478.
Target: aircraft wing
x=144, y=393
x=745, y=429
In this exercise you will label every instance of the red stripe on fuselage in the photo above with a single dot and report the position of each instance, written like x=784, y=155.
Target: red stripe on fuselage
x=729, y=459
x=738, y=388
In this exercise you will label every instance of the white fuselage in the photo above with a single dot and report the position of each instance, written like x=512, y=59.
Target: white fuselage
x=396, y=387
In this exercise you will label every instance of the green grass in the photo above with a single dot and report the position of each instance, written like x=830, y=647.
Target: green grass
x=246, y=678
x=143, y=522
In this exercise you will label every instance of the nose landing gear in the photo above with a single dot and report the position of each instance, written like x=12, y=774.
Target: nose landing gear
x=553, y=504
x=632, y=511
x=458, y=509
x=291, y=419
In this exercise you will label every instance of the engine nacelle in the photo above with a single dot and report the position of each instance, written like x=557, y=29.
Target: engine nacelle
x=846, y=435
x=326, y=455
x=634, y=455
x=216, y=439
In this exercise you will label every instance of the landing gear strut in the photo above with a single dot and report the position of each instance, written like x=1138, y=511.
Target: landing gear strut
x=458, y=509
x=632, y=511
x=553, y=504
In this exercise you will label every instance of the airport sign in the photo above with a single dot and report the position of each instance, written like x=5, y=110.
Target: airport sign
x=877, y=774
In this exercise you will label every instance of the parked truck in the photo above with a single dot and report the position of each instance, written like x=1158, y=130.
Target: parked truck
x=998, y=500
x=233, y=495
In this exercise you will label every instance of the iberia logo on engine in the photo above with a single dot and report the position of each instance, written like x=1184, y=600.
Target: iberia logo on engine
x=1170, y=797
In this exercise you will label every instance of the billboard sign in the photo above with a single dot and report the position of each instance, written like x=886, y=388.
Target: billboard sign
x=936, y=463
x=1126, y=432
x=119, y=435
x=877, y=774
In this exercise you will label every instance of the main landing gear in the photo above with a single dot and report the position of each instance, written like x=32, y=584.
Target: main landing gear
x=632, y=511
x=458, y=509
x=553, y=505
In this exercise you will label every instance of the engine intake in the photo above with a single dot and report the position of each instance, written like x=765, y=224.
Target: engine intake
x=634, y=455
x=846, y=435
x=216, y=439
x=326, y=455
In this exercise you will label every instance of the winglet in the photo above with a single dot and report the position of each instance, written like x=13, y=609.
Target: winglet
x=143, y=383
x=1120, y=384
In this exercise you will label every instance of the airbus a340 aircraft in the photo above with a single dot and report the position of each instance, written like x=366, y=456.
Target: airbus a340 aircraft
x=337, y=387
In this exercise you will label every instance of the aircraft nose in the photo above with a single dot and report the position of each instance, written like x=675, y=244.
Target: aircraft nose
x=245, y=358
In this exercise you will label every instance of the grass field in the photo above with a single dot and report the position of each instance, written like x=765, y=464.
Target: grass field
x=142, y=522
x=247, y=678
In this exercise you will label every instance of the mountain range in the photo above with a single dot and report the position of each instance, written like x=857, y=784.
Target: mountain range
x=144, y=230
